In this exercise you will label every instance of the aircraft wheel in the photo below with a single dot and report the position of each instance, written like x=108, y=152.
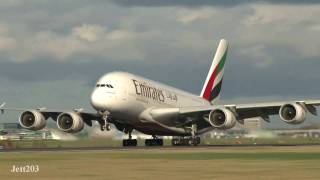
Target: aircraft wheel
x=134, y=142
x=174, y=142
x=185, y=141
x=154, y=142
x=108, y=127
x=194, y=141
x=159, y=142
x=198, y=140
x=178, y=142
x=147, y=142
x=129, y=142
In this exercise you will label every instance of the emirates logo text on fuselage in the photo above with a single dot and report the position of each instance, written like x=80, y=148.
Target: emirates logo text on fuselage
x=143, y=89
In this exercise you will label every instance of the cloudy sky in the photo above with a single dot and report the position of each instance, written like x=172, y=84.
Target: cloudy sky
x=52, y=52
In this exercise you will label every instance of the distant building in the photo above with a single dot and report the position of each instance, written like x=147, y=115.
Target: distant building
x=14, y=131
x=10, y=126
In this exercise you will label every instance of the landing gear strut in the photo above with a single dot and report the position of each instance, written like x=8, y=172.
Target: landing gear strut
x=187, y=141
x=154, y=141
x=105, y=125
x=130, y=141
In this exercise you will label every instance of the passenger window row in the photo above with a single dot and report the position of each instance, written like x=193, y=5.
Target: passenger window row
x=104, y=85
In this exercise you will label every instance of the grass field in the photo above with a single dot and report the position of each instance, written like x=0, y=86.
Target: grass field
x=199, y=163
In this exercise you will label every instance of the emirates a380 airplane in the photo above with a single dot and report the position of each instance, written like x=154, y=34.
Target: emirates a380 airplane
x=131, y=102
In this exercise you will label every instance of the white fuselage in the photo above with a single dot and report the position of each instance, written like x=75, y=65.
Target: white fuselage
x=127, y=97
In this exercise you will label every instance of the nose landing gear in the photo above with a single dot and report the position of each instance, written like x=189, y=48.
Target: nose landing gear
x=105, y=125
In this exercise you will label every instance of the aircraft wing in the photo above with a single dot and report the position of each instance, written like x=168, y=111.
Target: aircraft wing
x=243, y=111
x=86, y=116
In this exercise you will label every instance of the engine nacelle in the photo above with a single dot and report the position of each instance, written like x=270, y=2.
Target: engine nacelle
x=222, y=119
x=70, y=122
x=292, y=113
x=32, y=120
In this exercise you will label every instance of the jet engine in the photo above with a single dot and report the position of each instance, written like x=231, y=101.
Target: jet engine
x=32, y=120
x=292, y=113
x=70, y=122
x=222, y=119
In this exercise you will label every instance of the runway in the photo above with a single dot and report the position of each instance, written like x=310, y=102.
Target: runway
x=155, y=147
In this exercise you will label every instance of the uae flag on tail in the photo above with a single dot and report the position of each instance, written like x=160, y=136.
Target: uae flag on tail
x=212, y=86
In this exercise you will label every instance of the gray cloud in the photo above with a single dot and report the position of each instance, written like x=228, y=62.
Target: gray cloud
x=265, y=41
x=201, y=3
x=242, y=78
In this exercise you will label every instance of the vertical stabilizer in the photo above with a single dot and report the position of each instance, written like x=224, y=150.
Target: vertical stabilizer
x=212, y=86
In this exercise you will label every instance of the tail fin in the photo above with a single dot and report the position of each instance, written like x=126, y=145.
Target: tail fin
x=212, y=86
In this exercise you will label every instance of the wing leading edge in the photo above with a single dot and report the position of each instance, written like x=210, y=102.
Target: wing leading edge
x=53, y=114
x=243, y=111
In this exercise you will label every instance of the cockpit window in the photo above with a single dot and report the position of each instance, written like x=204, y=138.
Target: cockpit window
x=104, y=85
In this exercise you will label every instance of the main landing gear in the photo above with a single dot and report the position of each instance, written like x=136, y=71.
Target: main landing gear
x=187, y=141
x=154, y=141
x=130, y=141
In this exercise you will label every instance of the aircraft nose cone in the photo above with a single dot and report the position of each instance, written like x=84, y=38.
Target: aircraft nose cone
x=97, y=100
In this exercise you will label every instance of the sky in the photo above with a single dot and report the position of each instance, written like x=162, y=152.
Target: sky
x=52, y=52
